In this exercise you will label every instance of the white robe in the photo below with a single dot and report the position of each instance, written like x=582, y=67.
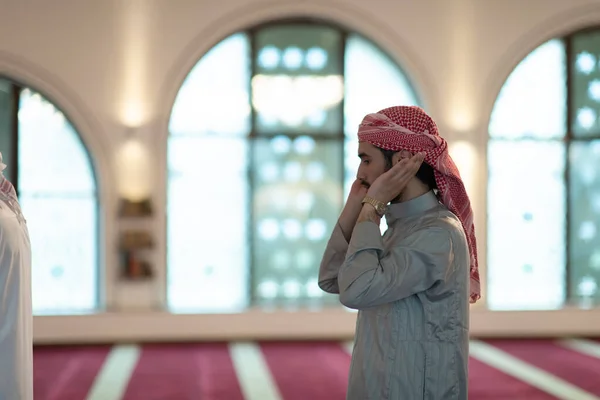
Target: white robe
x=16, y=353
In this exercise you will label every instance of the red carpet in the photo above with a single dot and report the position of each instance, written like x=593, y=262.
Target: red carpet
x=322, y=366
x=299, y=371
x=66, y=373
x=488, y=383
x=578, y=369
x=184, y=371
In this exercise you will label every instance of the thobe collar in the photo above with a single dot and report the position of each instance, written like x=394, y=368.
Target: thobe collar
x=412, y=207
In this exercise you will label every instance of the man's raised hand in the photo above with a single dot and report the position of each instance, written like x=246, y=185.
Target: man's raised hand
x=392, y=182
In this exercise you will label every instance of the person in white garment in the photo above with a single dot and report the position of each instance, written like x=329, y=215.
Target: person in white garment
x=16, y=347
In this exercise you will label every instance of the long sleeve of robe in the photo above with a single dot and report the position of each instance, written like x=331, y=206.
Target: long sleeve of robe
x=16, y=353
x=411, y=291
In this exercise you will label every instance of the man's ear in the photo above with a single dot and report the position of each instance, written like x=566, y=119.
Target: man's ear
x=399, y=155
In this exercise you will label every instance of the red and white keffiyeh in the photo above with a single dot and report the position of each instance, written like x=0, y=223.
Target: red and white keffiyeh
x=6, y=188
x=410, y=128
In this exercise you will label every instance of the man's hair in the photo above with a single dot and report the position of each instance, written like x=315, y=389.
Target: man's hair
x=425, y=173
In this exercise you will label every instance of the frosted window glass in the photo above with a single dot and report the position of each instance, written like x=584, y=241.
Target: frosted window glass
x=207, y=212
x=372, y=81
x=64, y=253
x=214, y=97
x=207, y=248
x=526, y=225
x=61, y=161
x=57, y=191
x=294, y=215
x=585, y=83
x=298, y=84
x=215, y=261
x=532, y=101
x=584, y=225
x=351, y=164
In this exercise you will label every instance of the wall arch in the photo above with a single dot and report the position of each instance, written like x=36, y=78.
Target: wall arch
x=329, y=135
x=28, y=74
x=562, y=24
x=338, y=13
x=550, y=127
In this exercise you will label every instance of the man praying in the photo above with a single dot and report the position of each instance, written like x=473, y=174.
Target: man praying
x=412, y=285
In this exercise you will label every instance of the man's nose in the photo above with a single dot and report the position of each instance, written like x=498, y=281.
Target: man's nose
x=359, y=174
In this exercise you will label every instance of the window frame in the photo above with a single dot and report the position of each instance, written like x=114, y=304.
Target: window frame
x=569, y=138
x=14, y=172
x=253, y=135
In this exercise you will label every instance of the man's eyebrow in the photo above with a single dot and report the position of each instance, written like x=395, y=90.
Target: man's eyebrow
x=362, y=155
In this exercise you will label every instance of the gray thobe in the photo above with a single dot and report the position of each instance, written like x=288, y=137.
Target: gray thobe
x=411, y=289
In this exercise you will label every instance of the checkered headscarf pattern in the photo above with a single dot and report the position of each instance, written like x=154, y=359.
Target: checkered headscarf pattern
x=6, y=187
x=410, y=128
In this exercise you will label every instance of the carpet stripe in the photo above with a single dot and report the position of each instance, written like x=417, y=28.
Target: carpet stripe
x=184, y=371
x=253, y=373
x=323, y=368
x=112, y=380
x=520, y=369
x=62, y=372
x=570, y=366
x=587, y=347
x=487, y=383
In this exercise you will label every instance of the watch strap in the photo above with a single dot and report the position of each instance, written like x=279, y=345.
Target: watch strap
x=378, y=205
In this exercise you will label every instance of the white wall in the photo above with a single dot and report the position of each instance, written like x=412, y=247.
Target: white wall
x=115, y=65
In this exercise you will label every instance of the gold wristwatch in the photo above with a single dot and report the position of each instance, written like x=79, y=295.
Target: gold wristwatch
x=380, y=207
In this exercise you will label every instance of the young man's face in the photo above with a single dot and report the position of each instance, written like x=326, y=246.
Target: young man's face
x=372, y=163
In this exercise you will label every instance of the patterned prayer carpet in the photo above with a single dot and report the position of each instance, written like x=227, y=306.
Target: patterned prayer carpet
x=499, y=369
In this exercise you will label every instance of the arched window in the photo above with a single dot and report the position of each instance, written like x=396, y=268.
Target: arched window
x=544, y=179
x=262, y=151
x=55, y=180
